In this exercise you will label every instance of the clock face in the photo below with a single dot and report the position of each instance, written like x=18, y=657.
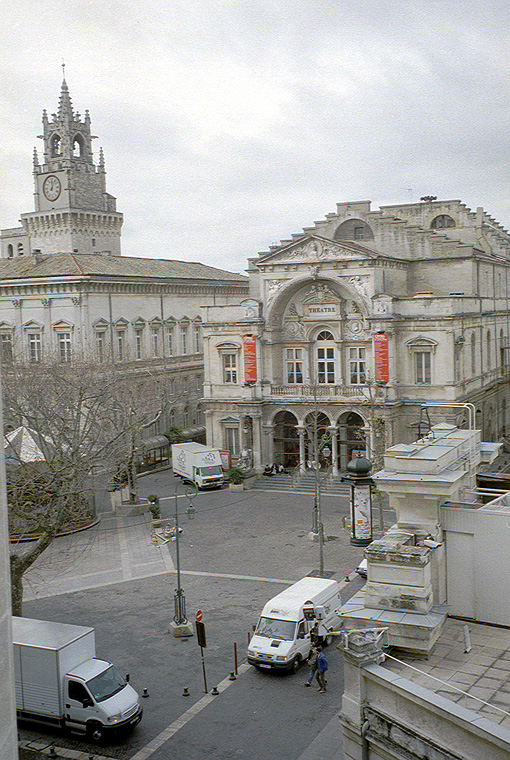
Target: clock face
x=52, y=187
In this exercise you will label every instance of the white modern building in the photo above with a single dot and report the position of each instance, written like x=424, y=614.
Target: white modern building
x=359, y=320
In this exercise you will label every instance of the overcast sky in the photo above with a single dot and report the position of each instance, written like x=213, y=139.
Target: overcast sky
x=230, y=124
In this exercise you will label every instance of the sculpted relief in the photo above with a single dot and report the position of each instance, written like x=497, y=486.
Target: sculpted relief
x=316, y=250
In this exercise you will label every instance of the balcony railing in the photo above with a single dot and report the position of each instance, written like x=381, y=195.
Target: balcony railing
x=310, y=391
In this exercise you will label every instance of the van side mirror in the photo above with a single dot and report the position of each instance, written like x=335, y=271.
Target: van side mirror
x=127, y=677
x=301, y=635
x=87, y=702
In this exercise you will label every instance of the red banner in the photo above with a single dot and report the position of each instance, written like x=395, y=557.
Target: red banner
x=382, y=370
x=250, y=358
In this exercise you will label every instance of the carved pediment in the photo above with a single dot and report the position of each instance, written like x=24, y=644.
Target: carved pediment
x=321, y=293
x=314, y=248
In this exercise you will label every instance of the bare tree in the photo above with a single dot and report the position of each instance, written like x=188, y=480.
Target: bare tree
x=64, y=405
x=134, y=406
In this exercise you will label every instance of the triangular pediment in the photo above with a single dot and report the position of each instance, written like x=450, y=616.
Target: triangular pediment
x=315, y=248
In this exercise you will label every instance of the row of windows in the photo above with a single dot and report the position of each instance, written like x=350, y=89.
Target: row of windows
x=357, y=229
x=186, y=345
x=19, y=250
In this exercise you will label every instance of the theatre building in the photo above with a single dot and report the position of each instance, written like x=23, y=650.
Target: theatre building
x=353, y=325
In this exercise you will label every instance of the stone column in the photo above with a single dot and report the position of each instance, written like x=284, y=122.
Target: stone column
x=302, y=455
x=334, y=447
x=342, y=429
x=8, y=728
x=360, y=648
x=257, y=452
x=268, y=429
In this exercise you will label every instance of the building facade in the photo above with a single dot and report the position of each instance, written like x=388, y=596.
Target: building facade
x=356, y=323
x=67, y=294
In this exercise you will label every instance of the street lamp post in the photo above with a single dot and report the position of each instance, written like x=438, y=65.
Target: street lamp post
x=180, y=625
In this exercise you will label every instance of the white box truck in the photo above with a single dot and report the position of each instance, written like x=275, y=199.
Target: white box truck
x=60, y=682
x=197, y=463
x=282, y=637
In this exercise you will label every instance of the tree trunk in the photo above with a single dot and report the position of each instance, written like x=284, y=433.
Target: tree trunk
x=17, y=570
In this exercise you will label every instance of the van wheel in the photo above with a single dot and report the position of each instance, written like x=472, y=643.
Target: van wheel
x=328, y=640
x=95, y=731
x=296, y=662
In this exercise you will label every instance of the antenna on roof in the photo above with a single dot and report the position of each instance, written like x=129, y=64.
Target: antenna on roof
x=63, y=64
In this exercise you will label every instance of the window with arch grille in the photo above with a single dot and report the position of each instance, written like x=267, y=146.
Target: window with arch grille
x=326, y=358
x=442, y=221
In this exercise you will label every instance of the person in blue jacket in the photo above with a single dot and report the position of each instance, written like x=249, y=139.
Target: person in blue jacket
x=322, y=667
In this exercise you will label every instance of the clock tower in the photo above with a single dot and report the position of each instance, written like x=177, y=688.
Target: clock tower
x=73, y=211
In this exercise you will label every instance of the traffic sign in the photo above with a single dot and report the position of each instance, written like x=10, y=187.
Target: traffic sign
x=199, y=616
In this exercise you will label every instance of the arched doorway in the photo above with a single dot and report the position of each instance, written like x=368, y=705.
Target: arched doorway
x=352, y=438
x=317, y=422
x=286, y=441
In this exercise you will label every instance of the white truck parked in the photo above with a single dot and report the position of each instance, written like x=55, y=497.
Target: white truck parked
x=197, y=463
x=60, y=682
x=282, y=637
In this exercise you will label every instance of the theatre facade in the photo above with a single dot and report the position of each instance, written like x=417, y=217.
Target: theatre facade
x=360, y=332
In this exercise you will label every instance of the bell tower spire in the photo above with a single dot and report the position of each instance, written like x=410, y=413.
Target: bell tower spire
x=70, y=189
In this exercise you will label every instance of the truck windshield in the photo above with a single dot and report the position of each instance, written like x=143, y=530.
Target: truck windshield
x=276, y=629
x=211, y=470
x=106, y=684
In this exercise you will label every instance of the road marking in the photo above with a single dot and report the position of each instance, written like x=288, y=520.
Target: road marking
x=185, y=718
x=234, y=577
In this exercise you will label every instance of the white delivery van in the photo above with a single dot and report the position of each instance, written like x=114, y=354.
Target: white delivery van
x=197, y=463
x=282, y=636
x=60, y=682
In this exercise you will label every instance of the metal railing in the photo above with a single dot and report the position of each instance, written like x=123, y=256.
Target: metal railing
x=311, y=391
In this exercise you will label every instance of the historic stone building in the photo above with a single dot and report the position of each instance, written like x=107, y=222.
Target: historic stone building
x=359, y=321
x=66, y=292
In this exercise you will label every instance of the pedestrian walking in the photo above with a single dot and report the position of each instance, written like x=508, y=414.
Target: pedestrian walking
x=312, y=661
x=322, y=667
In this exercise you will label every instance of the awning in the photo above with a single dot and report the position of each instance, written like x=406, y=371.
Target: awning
x=156, y=442
x=193, y=431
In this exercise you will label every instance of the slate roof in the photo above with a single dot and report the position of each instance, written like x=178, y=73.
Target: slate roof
x=82, y=264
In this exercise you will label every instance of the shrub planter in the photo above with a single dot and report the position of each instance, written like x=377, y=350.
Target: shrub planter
x=236, y=486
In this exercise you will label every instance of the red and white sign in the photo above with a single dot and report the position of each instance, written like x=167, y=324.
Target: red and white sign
x=198, y=616
x=250, y=358
x=381, y=360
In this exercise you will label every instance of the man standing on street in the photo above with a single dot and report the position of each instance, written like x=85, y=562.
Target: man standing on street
x=322, y=666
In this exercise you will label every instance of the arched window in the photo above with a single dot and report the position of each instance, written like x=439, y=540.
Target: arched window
x=326, y=358
x=172, y=419
x=473, y=355
x=502, y=344
x=78, y=146
x=56, y=145
x=200, y=414
x=185, y=417
x=441, y=221
x=354, y=229
x=489, y=350
x=10, y=251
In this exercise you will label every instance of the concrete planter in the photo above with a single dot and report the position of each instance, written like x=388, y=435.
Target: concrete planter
x=236, y=486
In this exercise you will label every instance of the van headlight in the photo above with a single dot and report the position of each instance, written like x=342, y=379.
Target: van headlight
x=281, y=658
x=114, y=718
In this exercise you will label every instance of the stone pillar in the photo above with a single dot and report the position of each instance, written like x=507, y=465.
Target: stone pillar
x=268, y=429
x=342, y=429
x=334, y=447
x=302, y=455
x=8, y=728
x=209, y=428
x=360, y=648
x=257, y=441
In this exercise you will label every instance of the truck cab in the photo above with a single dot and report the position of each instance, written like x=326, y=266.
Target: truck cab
x=98, y=700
